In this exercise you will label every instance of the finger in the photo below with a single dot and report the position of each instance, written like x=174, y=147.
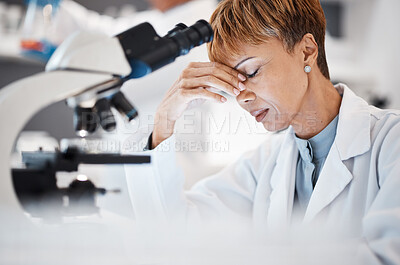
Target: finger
x=201, y=93
x=199, y=64
x=228, y=75
x=215, y=66
x=209, y=81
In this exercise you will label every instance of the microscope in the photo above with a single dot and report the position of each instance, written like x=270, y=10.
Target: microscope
x=87, y=71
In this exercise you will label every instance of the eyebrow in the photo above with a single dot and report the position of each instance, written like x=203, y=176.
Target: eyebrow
x=242, y=61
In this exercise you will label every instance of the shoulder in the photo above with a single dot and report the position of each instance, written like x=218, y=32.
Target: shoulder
x=384, y=114
x=384, y=122
x=385, y=137
x=358, y=119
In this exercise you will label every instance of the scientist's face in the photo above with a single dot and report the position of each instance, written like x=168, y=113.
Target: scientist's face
x=276, y=83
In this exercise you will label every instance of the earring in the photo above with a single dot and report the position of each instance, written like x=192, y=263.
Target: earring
x=307, y=69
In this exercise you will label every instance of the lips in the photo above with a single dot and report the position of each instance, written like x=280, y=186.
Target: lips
x=259, y=114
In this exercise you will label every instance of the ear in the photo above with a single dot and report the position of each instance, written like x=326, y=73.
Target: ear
x=309, y=49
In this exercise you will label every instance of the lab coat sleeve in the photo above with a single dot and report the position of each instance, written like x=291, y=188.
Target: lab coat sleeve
x=157, y=191
x=381, y=225
x=72, y=16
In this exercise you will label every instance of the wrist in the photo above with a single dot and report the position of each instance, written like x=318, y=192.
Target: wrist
x=163, y=129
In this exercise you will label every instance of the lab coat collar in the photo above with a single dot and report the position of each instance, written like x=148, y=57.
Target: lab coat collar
x=333, y=179
x=353, y=131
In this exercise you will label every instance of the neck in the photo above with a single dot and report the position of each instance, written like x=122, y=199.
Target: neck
x=164, y=5
x=320, y=106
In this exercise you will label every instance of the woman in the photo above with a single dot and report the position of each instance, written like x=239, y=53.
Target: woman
x=336, y=164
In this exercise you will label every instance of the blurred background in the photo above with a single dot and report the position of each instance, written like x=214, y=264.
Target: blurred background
x=362, y=47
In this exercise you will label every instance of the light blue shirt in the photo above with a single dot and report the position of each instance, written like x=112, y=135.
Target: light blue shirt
x=313, y=153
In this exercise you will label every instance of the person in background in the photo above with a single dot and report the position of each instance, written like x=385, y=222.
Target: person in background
x=163, y=15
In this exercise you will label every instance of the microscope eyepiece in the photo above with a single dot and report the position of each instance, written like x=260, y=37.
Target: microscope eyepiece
x=178, y=27
x=190, y=37
x=146, y=51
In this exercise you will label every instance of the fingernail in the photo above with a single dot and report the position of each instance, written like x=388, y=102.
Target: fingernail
x=223, y=99
x=241, y=77
x=236, y=92
x=242, y=86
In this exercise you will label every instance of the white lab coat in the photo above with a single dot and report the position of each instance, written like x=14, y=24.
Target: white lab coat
x=357, y=193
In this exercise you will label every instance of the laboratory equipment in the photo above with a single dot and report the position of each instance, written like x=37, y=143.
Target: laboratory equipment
x=87, y=70
x=36, y=184
x=38, y=29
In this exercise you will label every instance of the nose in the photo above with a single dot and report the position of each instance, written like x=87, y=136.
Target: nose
x=246, y=96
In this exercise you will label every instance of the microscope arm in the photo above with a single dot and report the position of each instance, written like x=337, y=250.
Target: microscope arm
x=20, y=100
x=90, y=52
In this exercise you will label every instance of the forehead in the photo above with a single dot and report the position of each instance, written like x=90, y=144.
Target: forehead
x=267, y=49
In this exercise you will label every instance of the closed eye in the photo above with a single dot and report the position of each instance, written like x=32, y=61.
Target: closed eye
x=253, y=74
